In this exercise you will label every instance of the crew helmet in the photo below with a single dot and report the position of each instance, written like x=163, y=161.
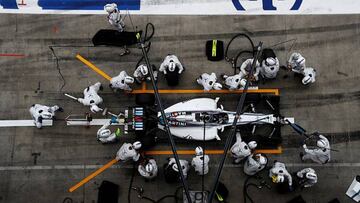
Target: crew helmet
x=172, y=66
x=270, y=61
x=129, y=80
x=175, y=167
x=262, y=160
x=199, y=151
x=306, y=80
x=149, y=168
x=300, y=60
x=311, y=176
x=252, y=144
x=321, y=143
x=144, y=69
x=104, y=133
x=217, y=86
x=110, y=7
x=137, y=145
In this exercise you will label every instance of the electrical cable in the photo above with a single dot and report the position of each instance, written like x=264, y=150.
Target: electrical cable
x=58, y=68
x=147, y=39
x=68, y=200
x=247, y=193
x=234, y=60
x=162, y=198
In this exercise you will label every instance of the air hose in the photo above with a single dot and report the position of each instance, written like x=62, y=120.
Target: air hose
x=147, y=39
x=234, y=60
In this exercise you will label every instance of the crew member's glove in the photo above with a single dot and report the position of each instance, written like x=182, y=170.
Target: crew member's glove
x=113, y=120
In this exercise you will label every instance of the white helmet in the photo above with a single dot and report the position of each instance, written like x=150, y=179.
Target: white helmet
x=306, y=80
x=311, y=176
x=252, y=144
x=94, y=108
x=129, y=80
x=262, y=160
x=300, y=60
x=149, y=168
x=172, y=66
x=105, y=133
x=243, y=82
x=137, y=145
x=217, y=86
x=175, y=168
x=144, y=69
x=321, y=143
x=110, y=7
x=199, y=151
x=46, y=115
x=270, y=61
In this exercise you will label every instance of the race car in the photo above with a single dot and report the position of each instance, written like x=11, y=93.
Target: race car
x=188, y=119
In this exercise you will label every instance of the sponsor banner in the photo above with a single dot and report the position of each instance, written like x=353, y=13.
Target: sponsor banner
x=185, y=7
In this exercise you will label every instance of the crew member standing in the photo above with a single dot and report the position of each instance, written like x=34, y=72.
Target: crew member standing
x=104, y=134
x=240, y=150
x=245, y=70
x=320, y=154
x=129, y=151
x=279, y=174
x=200, y=162
x=208, y=82
x=171, y=171
x=148, y=169
x=307, y=176
x=296, y=63
x=234, y=82
x=254, y=164
x=114, y=17
x=91, y=97
x=122, y=81
x=142, y=73
x=172, y=68
x=40, y=112
x=269, y=65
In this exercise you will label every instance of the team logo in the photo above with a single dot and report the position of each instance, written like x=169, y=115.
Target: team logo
x=75, y=4
x=267, y=5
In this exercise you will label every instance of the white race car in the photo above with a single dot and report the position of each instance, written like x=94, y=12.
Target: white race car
x=186, y=119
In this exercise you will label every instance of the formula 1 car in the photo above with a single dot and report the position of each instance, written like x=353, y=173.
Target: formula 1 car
x=188, y=119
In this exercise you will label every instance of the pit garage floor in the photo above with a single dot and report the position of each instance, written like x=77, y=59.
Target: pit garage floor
x=68, y=154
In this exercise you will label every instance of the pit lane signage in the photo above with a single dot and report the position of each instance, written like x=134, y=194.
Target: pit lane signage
x=185, y=7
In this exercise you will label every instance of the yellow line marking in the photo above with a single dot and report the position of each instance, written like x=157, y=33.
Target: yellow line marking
x=164, y=152
x=93, y=67
x=197, y=91
x=93, y=175
x=143, y=86
x=211, y=152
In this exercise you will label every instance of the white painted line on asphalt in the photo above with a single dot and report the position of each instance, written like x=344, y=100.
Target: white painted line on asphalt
x=91, y=167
